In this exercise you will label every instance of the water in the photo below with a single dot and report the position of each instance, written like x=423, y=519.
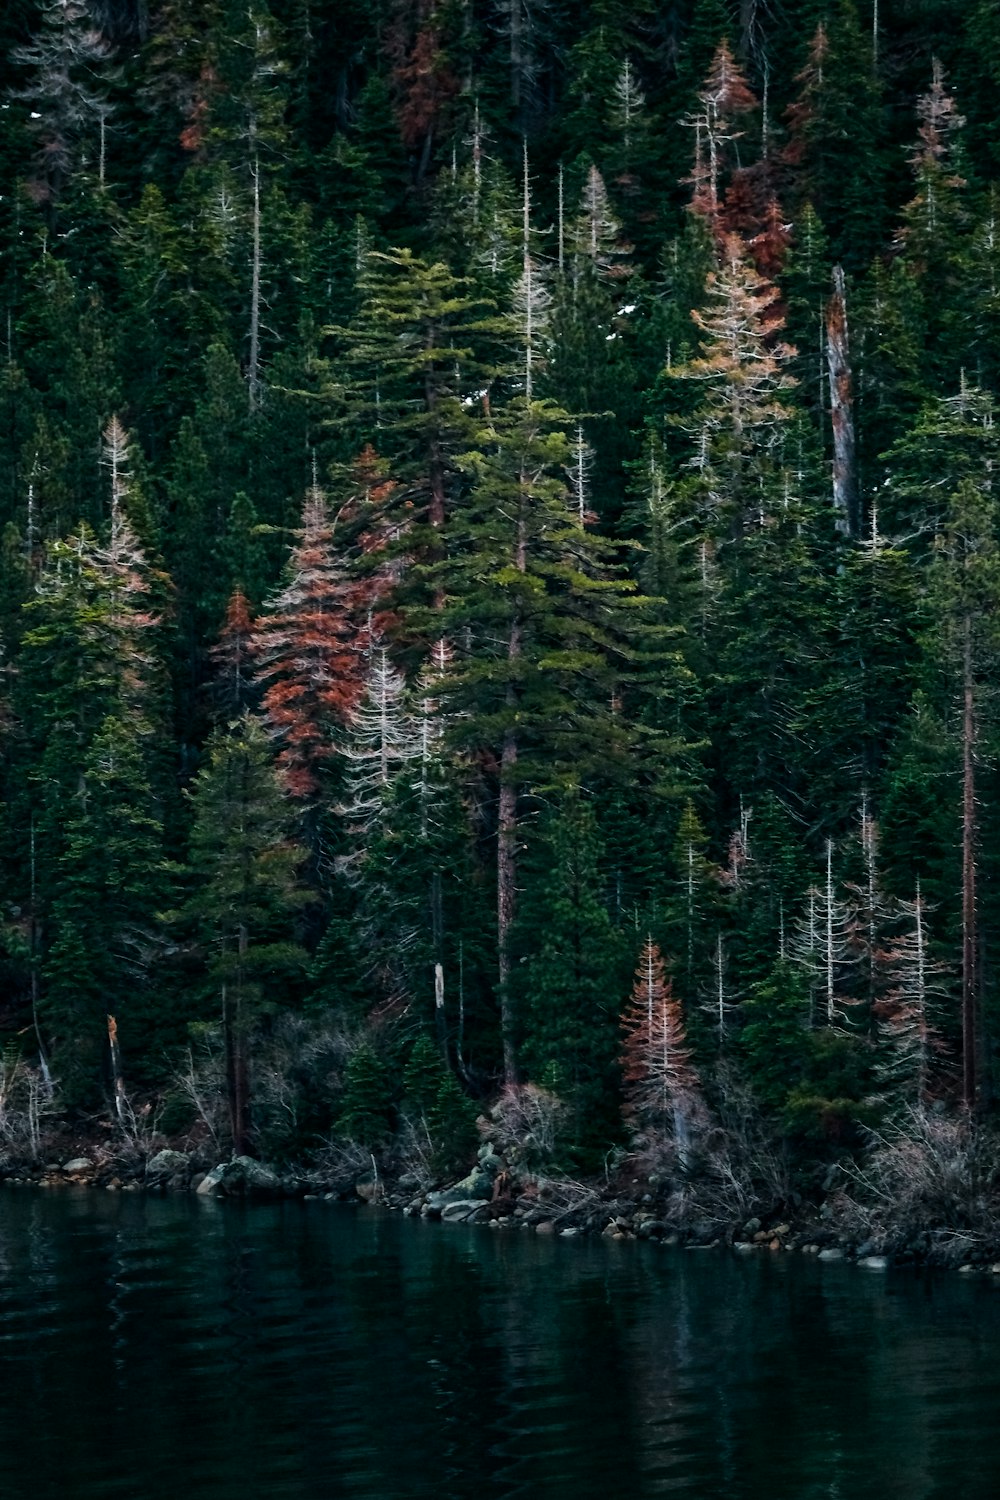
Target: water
x=175, y=1348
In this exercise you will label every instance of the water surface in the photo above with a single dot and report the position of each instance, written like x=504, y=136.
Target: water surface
x=175, y=1348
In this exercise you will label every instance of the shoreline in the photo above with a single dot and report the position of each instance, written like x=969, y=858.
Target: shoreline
x=525, y=1203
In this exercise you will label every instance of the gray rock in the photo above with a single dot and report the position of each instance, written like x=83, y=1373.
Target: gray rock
x=832, y=1253
x=166, y=1163
x=245, y=1175
x=489, y=1160
x=750, y=1228
x=478, y=1184
x=212, y=1181
x=874, y=1262
x=79, y=1164
x=456, y=1212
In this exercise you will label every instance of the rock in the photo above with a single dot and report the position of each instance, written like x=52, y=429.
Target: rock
x=460, y=1210
x=546, y=1227
x=489, y=1160
x=166, y=1163
x=649, y=1229
x=212, y=1181
x=774, y=1244
x=245, y=1175
x=78, y=1164
x=366, y=1189
x=569, y=1233
x=831, y=1253
x=750, y=1228
x=478, y=1184
x=782, y=1229
x=744, y=1246
x=874, y=1262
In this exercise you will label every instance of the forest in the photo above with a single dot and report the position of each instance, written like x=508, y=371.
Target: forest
x=500, y=574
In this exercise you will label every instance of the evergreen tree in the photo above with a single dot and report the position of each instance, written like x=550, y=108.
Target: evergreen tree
x=243, y=866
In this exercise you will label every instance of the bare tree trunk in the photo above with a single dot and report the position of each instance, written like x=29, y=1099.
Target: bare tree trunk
x=507, y=829
x=437, y=930
x=237, y=1070
x=253, y=370
x=117, y=1081
x=507, y=832
x=845, y=487
x=969, y=831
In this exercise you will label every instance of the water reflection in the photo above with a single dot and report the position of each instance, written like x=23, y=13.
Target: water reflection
x=169, y=1347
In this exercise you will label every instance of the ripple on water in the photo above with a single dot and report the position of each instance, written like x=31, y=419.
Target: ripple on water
x=164, y=1348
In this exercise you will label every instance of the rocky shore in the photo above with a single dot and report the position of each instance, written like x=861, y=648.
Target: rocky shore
x=501, y=1198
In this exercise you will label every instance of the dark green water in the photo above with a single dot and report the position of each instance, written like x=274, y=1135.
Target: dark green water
x=172, y=1348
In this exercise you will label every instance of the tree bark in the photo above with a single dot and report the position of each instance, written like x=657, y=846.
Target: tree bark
x=969, y=831
x=507, y=825
x=507, y=893
x=253, y=370
x=845, y=484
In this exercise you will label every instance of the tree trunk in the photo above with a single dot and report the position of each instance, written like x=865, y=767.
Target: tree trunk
x=507, y=891
x=507, y=824
x=117, y=1081
x=969, y=933
x=845, y=487
x=237, y=1066
x=253, y=370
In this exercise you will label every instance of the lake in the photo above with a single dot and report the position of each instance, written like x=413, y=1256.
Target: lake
x=172, y=1347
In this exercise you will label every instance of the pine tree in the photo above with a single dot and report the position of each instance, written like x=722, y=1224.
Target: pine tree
x=570, y=974
x=742, y=415
x=309, y=651
x=243, y=866
x=836, y=138
x=662, y=1088
x=69, y=60
x=543, y=618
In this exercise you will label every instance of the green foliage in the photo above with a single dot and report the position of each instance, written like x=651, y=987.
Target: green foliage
x=366, y=1103
x=633, y=678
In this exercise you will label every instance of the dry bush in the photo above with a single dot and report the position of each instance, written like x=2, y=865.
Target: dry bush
x=525, y=1123
x=564, y=1197
x=27, y=1100
x=926, y=1175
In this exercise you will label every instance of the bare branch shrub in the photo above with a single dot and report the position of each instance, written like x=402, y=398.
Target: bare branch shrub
x=927, y=1174
x=525, y=1123
x=27, y=1100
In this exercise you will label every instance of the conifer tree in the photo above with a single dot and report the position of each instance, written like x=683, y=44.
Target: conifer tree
x=569, y=979
x=542, y=614
x=69, y=63
x=662, y=1088
x=309, y=650
x=244, y=866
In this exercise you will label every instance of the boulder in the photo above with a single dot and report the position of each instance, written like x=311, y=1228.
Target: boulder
x=77, y=1165
x=245, y=1175
x=458, y=1211
x=831, y=1253
x=478, y=1184
x=166, y=1163
x=874, y=1262
x=211, y=1182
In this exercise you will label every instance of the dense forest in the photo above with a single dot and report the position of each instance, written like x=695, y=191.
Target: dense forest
x=500, y=580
